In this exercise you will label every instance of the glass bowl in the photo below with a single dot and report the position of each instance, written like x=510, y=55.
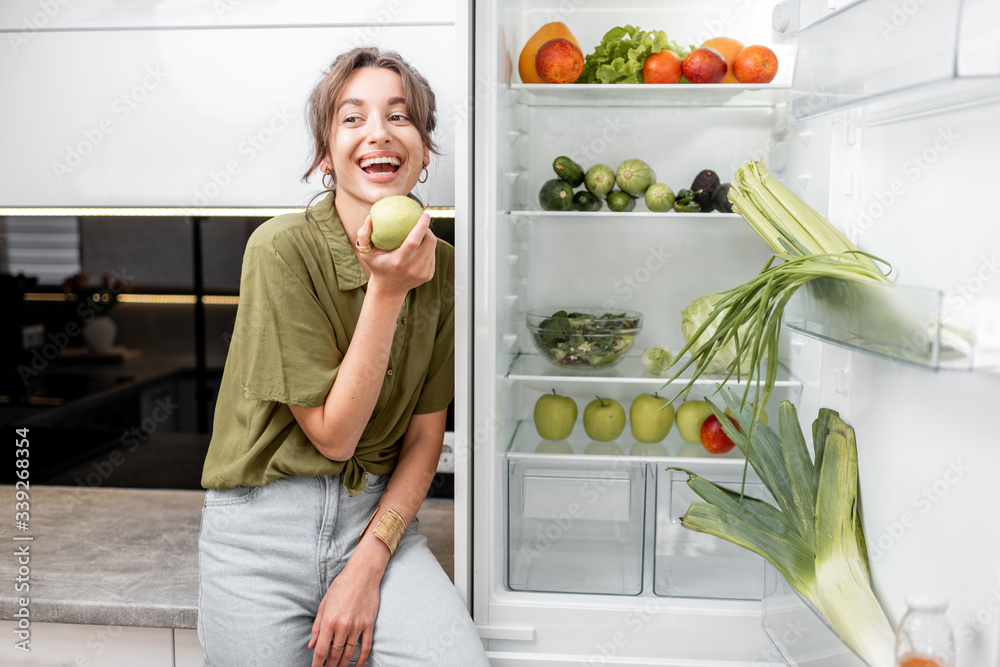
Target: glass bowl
x=584, y=338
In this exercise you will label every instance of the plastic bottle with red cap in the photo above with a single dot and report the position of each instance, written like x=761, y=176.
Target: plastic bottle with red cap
x=925, y=637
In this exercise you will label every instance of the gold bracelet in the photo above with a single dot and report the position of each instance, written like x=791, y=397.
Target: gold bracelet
x=390, y=529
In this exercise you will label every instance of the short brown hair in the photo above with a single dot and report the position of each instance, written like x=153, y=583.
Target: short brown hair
x=420, y=101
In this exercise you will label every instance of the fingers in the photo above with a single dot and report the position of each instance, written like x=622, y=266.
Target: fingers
x=364, y=241
x=366, y=646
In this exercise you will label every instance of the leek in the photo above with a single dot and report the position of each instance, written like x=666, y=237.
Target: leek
x=806, y=247
x=814, y=536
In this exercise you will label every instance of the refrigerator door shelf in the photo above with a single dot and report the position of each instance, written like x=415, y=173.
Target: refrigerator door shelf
x=653, y=95
x=899, y=73
x=799, y=636
x=912, y=325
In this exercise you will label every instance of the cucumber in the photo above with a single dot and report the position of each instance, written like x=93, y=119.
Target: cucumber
x=619, y=201
x=556, y=195
x=568, y=170
x=584, y=201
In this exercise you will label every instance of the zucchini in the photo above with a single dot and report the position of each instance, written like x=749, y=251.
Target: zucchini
x=568, y=170
x=584, y=201
x=620, y=202
x=556, y=195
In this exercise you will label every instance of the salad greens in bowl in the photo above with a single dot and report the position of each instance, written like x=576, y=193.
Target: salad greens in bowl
x=584, y=337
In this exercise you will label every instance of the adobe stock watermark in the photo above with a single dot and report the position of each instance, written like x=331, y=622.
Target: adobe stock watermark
x=898, y=17
x=923, y=502
x=633, y=623
x=973, y=624
x=121, y=108
x=610, y=135
x=31, y=24
x=630, y=283
x=248, y=150
x=723, y=24
x=561, y=523
x=57, y=341
x=785, y=638
x=913, y=168
x=133, y=437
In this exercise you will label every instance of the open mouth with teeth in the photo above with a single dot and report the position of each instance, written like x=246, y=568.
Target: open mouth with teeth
x=380, y=165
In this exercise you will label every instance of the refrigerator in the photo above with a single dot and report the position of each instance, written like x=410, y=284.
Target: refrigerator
x=882, y=117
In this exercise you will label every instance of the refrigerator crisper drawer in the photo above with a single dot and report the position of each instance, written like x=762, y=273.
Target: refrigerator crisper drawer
x=699, y=565
x=576, y=526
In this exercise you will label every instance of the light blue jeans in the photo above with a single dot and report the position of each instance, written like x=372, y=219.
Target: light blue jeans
x=267, y=556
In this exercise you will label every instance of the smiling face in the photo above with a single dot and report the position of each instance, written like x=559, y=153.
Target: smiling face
x=375, y=150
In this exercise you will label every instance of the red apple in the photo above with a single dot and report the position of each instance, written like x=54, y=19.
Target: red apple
x=705, y=65
x=713, y=438
x=559, y=61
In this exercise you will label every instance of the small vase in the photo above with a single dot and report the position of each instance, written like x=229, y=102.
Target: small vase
x=99, y=333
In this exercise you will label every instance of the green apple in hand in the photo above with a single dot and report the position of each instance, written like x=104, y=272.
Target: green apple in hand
x=690, y=416
x=555, y=416
x=392, y=219
x=651, y=417
x=604, y=419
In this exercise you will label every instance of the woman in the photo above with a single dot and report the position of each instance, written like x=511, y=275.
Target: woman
x=331, y=412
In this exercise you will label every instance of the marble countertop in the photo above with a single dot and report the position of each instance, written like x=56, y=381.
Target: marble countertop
x=128, y=557
x=105, y=556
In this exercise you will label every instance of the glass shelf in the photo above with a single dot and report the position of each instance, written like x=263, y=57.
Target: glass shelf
x=903, y=324
x=672, y=215
x=534, y=367
x=644, y=94
x=799, y=635
x=675, y=452
x=900, y=73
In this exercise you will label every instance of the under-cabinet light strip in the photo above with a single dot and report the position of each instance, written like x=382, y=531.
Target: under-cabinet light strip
x=435, y=211
x=211, y=300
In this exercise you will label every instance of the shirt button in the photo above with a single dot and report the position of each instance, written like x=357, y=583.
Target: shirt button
x=389, y=372
x=404, y=320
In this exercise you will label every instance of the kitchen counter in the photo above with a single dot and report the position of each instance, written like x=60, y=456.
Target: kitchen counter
x=126, y=557
x=129, y=557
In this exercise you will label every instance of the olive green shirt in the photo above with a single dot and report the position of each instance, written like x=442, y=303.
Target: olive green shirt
x=300, y=299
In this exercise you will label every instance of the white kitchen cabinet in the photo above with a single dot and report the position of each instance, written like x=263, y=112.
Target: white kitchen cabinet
x=187, y=649
x=65, y=645
x=203, y=112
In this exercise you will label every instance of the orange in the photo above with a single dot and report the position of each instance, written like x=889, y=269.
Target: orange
x=526, y=62
x=728, y=47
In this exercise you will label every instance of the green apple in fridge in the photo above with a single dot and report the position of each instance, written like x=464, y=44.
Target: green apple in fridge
x=604, y=449
x=555, y=416
x=651, y=416
x=553, y=447
x=392, y=219
x=604, y=419
x=690, y=416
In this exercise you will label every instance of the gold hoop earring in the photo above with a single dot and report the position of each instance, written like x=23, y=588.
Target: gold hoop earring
x=426, y=174
x=332, y=178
